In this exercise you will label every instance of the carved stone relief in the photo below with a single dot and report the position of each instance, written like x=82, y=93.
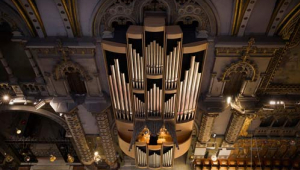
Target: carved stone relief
x=78, y=135
x=106, y=137
x=235, y=126
x=206, y=127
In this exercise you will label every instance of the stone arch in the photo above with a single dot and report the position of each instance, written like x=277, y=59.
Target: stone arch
x=201, y=12
x=40, y=112
x=17, y=24
x=242, y=66
x=108, y=11
x=69, y=67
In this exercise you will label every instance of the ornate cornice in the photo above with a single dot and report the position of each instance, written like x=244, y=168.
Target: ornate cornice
x=206, y=127
x=106, y=136
x=78, y=136
x=235, y=126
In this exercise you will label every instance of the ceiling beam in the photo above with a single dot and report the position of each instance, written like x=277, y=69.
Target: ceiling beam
x=277, y=15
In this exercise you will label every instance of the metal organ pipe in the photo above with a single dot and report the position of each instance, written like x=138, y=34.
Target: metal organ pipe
x=172, y=67
x=137, y=68
x=170, y=107
x=120, y=92
x=155, y=55
x=154, y=101
x=189, y=90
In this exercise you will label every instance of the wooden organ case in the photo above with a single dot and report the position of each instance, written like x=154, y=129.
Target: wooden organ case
x=154, y=83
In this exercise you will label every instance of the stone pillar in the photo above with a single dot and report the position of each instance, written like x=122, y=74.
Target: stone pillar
x=206, y=127
x=78, y=135
x=106, y=137
x=235, y=126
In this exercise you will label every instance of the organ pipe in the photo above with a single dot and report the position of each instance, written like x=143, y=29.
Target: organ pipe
x=154, y=54
x=137, y=68
x=120, y=93
x=170, y=107
x=189, y=90
x=139, y=107
x=172, y=68
x=154, y=101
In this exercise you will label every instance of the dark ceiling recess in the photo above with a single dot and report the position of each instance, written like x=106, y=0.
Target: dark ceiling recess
x=5, y=33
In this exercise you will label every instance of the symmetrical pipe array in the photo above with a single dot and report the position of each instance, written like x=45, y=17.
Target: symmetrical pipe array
x=167, y=158
x=139, y=107
x=155, y=57
x=170, y=107
x=172, y=67
x=154, y=160
x=188, y=92
x=154, y=101
x=120, y=93
x=141, y=157
x=137, y=68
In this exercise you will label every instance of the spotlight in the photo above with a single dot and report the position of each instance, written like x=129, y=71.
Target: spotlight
x=52, y=158
x=18, y=131
x=96, y=153
x=61, y=114
x=272, y=102
x=5, y=97
x=213, y=157
x=228, y=100
x=40, y=104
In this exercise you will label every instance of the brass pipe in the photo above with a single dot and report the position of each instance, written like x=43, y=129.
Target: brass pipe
x=142, y=72
x=167, y=73
x=197, y=89
x=184, y=90
x=125, y=93
x=112, y=92
x=189, y=83
x=194, y=84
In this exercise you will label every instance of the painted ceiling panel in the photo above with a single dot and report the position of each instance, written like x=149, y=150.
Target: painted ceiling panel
x=85, y=15
x=225, y=9
x=260, y=17
x=51, y=18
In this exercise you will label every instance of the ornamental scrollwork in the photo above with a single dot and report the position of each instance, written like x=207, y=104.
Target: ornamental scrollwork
x=69, y=67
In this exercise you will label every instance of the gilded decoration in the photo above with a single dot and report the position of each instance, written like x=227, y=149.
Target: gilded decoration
x=68, y=66
x=245, y=66
x=206, y=127
x=235, y=126
x=78, y=136
x=106, y=136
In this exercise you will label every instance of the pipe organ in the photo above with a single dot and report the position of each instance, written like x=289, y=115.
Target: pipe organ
x=154, y=77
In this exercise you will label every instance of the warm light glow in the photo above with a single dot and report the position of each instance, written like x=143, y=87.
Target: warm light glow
x=70, y=158
x=11, y=102
x=5, y=97
x=18, y=131
x=228, y=100
x=52, y=158
x=96, y=153
x=213, y=157
x=272, y=102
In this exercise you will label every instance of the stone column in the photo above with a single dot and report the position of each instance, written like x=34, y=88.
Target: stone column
x=235, y=126
x=106, y=137
x=79, y=139
x=206, y=127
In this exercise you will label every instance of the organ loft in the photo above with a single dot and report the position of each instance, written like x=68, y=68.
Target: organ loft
x=149, y=84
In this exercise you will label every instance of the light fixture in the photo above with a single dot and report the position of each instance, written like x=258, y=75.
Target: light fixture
x=228, y=100
x=5, y=97
x=52, y=158
x=40, y=104
x=61, y=114
x=70, y=158
x=96, y=153
x=18, y=131
x=272, y=102
x=213, y=157
x=27, y=158
x=97, y=157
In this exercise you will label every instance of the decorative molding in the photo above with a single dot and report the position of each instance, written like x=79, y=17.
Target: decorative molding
x=70, y=67
x=235, y=126
x=288, y=23
x=78, y=135
x=277, y=14
x=73, y=51
x=206, y=127
x=279, y=112
x=273, y=66
x=106, y=136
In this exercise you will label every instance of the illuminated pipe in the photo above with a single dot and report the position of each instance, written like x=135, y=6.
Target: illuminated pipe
x=115, y=87
x=125, y=92
x=119, y=83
